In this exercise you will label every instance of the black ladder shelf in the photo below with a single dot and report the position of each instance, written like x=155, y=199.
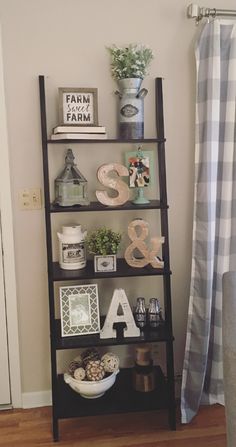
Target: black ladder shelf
x=121, y=398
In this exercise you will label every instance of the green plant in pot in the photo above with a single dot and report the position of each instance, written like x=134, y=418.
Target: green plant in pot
x=129, y=65
x=103, y=243
x=131, y=61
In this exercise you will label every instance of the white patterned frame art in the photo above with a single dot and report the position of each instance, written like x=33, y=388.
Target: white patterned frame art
x=79, y=310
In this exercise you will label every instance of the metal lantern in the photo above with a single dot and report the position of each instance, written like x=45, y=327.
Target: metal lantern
x=71, y=185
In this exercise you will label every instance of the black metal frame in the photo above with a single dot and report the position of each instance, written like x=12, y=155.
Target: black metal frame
x=62, y=396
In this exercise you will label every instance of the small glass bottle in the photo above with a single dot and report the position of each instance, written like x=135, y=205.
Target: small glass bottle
x=154, y=313
x=140, y=314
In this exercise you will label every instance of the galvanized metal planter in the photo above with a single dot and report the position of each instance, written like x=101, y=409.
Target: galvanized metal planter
x=131, y=108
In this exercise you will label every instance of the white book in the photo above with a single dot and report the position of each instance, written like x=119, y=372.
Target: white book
x=79, y=129
x=79, y=136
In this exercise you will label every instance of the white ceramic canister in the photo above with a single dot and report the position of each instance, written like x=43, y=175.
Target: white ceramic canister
x=72, y=254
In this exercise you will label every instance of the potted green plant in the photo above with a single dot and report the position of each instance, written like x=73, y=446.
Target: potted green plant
x=103, y=243
x=131, y=61
x=129, y=65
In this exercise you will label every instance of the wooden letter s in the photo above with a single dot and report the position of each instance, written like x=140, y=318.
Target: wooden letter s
x=115, y=183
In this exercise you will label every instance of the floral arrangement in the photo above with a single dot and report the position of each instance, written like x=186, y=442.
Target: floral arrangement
x=103, y=241
x=130, y=62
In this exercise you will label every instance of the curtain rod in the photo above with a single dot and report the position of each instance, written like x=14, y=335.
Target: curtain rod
x=196, y=12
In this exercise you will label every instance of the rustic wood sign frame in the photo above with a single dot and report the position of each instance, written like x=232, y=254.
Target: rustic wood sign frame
x=78, y=106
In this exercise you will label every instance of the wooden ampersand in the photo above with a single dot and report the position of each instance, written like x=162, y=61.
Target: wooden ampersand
x=115, y=183
x=149, y=257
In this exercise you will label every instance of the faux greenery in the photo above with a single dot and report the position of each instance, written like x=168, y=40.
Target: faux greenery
x=103, y=241
x=130, y=62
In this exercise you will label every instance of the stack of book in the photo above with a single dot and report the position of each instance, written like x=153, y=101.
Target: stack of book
x=79, y=133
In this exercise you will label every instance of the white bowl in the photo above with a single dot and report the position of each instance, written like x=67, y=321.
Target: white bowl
x=90, y=389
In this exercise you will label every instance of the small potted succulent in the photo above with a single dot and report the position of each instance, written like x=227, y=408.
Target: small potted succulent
x=103, y=243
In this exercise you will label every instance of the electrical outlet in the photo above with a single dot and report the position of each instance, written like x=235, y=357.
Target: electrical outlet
x=30, y=199
x=24, y=199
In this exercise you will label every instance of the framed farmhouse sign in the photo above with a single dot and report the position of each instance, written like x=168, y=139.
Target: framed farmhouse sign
x=78, y=106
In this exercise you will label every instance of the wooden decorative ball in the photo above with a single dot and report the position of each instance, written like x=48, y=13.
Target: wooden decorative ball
x=110, y=362
x=95, y=370
x=90, y=354
x=78, y=359
x=79, y=374
x=73, y=366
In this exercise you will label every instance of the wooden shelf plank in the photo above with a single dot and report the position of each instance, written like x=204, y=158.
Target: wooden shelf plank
x=121, y=398
x=97, y=206
x=160, y=334
x=108, y=140
x=123, y=270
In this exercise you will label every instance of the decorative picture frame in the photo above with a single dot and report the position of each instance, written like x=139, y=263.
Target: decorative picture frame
x=79, y=310
x=78, y=106
x=106, y=263
x=140, y=167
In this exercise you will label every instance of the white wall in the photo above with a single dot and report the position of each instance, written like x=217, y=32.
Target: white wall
x=66, y=40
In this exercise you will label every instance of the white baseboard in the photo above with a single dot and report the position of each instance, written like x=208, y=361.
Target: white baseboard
x=5, y=407
x=37, y=399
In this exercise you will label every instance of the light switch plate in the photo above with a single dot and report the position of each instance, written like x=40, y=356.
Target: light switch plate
x=30, y=199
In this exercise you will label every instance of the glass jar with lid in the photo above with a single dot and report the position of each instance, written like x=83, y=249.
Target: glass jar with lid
x=140, y=313
x=154, y=313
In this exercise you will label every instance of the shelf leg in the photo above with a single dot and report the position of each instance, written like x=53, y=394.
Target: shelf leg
x=171, y=386
x=172, y=417
x=55, y=428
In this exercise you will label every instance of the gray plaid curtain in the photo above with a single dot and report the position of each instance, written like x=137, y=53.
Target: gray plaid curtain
x=214, y=225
